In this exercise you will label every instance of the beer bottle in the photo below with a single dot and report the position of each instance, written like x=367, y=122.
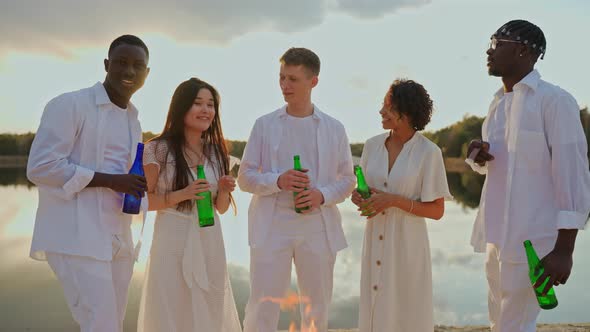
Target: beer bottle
x=205, y=205
x=131, y=204
x=548, y=301
x=297, y=167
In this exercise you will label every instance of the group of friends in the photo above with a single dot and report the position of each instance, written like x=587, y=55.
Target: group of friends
x=532, y=149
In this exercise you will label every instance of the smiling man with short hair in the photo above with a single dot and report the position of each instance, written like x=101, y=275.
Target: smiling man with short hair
x=79, y=161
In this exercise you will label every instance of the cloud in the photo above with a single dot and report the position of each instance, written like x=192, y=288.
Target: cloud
x=57, y=27
x=369, y=9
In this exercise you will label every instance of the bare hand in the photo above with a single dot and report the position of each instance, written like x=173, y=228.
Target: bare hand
x=131, y=184
x=196, y=187
x=293, y=180
x=557, y=266
x=311, y=198
x=483, y=155
x=357, y=199
x=377, y=203
x=226, y=184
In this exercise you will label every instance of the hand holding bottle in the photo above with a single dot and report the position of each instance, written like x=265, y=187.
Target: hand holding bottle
x=308, y=200
x=557, y=266
x=293, y=180
x=482, y=155
x=357, y=199
x=226, y=184
x=196, y=187
x=378, y=202
x=130, y=184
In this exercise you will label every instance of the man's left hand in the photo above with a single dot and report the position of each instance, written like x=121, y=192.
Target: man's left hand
x=557, y=266
x=311, y=198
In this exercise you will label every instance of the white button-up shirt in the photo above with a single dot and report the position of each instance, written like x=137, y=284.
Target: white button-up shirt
x=69, y=147
x=259, y=172
x=548, y=179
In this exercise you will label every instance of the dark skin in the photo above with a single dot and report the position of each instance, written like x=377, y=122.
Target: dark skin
x=126, y=70
x=512, y=62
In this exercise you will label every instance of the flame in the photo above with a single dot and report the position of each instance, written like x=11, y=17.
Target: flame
x=289, y=303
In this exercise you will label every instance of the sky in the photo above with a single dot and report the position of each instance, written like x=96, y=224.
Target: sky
x=51, y=47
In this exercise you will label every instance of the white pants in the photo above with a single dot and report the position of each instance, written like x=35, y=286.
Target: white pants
x=96, y=291
x=270, y=276
x=512, y=304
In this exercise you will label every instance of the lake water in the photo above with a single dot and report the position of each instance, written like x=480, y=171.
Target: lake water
x=30, y=296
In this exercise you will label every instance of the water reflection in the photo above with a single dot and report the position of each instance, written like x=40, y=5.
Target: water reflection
x=32, y=298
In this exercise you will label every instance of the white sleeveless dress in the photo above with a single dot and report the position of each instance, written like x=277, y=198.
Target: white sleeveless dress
x=186, y=286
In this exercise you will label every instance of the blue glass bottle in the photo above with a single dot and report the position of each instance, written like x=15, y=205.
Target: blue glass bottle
x=131, y=203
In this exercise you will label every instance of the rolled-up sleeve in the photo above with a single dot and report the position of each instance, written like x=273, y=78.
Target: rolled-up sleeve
x=337, y=191
x=49, y=162
x=250, y=176
x=569, y=162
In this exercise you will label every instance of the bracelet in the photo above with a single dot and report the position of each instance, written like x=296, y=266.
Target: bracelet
x=411, y=206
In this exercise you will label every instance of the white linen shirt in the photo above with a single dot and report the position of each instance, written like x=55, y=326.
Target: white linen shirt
x=548, y=180
x=68, y=148
x=259, y=172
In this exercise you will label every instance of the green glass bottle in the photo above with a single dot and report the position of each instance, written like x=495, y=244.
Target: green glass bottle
x=297, y=167
x=361, y=185
x=548, y=301
x=205, y=205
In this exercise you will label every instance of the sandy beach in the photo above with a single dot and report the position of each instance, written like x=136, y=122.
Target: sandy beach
x=579, y=327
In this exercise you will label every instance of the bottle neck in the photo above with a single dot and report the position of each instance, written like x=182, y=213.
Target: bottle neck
x=200, y=172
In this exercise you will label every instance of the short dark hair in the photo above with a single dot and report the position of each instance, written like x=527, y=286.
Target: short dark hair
x=296, y=56
x=525, y=32
x=410, y=99
x=129, y=40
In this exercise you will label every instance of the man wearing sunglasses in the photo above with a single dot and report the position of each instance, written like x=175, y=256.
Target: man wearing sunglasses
x=534, y=154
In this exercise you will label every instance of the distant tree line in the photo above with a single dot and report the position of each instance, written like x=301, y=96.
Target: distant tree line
x=453, y=141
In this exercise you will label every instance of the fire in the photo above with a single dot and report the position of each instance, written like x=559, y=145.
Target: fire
x=290, y=302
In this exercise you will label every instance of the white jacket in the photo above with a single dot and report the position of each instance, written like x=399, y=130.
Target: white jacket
x=259, y=172
x=548, y=180
x=67, y=149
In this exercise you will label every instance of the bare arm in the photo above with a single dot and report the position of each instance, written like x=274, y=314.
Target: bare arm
x=160, y=201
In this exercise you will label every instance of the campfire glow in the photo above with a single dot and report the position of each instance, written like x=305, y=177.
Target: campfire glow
x=290, y=302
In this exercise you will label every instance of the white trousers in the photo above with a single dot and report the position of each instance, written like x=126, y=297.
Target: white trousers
x=512, y=304
x=96, y=291
x=270, y=276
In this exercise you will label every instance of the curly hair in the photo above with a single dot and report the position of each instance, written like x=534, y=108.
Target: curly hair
x=410, y=99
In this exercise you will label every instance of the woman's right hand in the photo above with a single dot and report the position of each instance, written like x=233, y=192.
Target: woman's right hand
x=196, y=187
x=356, y=198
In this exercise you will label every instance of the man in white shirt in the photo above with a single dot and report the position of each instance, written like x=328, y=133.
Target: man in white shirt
x=278, y=235
x=537, y=187
x=79, y=161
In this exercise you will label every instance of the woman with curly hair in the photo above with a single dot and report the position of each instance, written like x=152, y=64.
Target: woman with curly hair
x=407, y=179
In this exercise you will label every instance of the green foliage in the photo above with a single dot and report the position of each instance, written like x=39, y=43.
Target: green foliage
x=15, y=144
x=356, y=149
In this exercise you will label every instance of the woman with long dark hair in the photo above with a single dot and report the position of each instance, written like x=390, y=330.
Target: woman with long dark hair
x=186, y=287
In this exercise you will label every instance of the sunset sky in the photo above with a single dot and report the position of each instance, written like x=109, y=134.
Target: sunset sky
x=51, y=47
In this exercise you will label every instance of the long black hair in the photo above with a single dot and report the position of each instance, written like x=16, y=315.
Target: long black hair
x=212, y=140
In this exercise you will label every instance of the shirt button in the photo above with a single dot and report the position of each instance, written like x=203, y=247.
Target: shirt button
x=380, y=237
x=383, y=213
x=375, y=287
x=385, y=184
x=378, y=263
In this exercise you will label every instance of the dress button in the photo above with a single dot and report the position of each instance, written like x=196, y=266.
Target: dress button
x=380, y=237
x=378, y=263
x=375, y=287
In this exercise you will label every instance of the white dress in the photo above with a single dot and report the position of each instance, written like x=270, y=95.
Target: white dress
x=396, y=276
x=186, y=286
